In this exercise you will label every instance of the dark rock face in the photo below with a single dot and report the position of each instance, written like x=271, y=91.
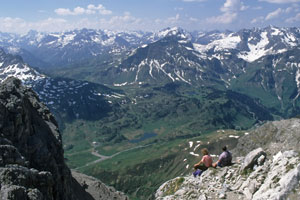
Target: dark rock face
x=32, y=164
x=31, y=154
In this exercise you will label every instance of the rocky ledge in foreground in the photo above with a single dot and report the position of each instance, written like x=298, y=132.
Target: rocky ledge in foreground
x=32, y=165
x=260, y=175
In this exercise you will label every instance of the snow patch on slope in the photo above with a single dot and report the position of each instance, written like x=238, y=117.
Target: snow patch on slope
x=227, y=42
x=20, y=71
x=256, y=50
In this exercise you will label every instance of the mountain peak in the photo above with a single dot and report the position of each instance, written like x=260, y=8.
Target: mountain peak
x=174, y=31
x=11, y=65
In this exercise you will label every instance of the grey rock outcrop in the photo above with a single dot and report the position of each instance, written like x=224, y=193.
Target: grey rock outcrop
x=31, y=150
x=32, y=164
x=273, y=137
x=97, y=189
x=255, y=157
x=274, y=180
x=263, y=174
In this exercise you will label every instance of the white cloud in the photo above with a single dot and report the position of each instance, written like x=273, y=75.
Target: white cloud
x=281, y=1
x=63, y=11
x=100, y=8
x=233, y=6
x=274, y=14
x=226, y=18
x=173, y=20
x=230, y=10
x=278, y=12
x=289, y=9
x=293, y=19
x=9, y=24
x=91, y=9
x=183, y=21
x=123, y=22
x=18, y=25
x=293, y=8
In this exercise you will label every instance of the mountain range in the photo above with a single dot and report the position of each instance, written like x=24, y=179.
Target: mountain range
x=259, y=62
x=59, y=49
x=114, y=91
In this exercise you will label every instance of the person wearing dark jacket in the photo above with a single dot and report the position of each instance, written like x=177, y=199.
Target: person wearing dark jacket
x=225, y=158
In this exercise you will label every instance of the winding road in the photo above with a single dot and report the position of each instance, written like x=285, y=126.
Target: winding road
x=103, y=157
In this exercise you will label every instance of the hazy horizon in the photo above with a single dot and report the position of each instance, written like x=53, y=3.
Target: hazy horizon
x=204, y=15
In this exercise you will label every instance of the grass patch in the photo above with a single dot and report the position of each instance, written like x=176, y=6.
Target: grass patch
x=247, y=172
x=174, y=186
x=290, y=167
x=79, y=159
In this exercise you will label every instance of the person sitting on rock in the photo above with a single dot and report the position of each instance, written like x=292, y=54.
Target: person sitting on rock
x=224, y=159
x=203, y=164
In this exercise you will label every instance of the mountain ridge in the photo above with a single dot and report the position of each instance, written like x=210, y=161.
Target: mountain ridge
x=62, y=48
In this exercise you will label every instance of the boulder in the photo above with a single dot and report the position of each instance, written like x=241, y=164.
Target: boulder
x=252, y=159
x=282, y=177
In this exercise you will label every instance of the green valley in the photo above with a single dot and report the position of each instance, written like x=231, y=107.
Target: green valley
x=174, y=113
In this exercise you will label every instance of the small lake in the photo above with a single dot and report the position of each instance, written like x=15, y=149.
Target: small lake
x=144, y=137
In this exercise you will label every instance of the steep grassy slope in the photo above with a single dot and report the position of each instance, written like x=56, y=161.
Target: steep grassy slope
x=154, y=122
x=172, y=111
x=139, y=172
x=274, y=80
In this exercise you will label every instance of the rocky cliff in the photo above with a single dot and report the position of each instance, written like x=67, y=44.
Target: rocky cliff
x=266, y=167
x=31, y=155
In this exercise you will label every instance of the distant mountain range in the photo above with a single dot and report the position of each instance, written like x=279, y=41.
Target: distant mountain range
x=259, y=62
x=59, y=49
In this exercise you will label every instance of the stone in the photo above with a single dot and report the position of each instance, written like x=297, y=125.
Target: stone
x=34, y=194
x=96, y=188
x=252, y=158
x=202, y=197
x=13, y=192
x=261, y=160
x=222, y=196
x=281, y=179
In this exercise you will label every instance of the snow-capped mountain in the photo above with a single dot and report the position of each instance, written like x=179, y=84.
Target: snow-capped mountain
x=167, y=60
x=262, y=63
x=14, y=66
x=248, y=44
x=172, y=54
x=64, y=48
x=67, y=98
x=197, y=57
x=60, y=49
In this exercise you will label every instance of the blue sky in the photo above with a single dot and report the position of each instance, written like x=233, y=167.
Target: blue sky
x=20, y=16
